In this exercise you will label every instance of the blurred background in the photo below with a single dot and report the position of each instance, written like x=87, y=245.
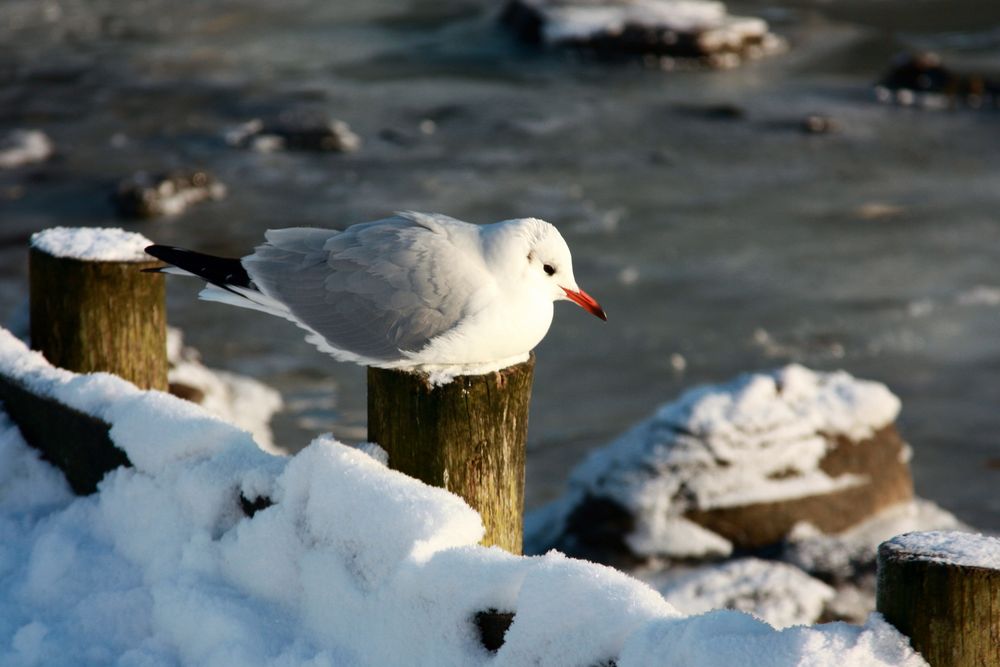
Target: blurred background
x=719, y=236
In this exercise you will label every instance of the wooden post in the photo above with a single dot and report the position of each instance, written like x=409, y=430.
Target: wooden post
x=76, y=443
x=89, y=316
x=468, y=436
x=948, y=606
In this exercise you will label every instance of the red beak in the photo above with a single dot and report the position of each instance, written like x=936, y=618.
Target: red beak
x=586, y=302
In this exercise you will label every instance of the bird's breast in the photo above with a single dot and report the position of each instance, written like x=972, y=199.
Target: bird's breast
x=507, y=327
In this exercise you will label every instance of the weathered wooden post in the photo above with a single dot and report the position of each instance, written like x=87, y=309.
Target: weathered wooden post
x=468, y=436
x=942, y=590
x=92, y=309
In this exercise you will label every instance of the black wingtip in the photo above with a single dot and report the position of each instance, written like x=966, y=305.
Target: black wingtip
x=151, y=250
x=161, y=252
x=222, y=271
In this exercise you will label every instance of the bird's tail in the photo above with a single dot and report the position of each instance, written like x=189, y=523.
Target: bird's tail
x=228, y=281
x=223, y=272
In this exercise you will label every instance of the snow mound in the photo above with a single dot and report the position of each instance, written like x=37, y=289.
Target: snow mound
x=778, y=593
x=352, y=564
x=93, y=244
x=726, y=638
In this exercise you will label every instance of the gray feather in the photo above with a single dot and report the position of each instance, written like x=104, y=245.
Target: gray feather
x=375, y=290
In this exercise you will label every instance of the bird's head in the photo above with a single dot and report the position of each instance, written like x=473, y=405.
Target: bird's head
x=547, y=265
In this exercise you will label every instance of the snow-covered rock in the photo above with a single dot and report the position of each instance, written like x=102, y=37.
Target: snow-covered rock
x=738, y=463
x=691, y=29
x=843, y=556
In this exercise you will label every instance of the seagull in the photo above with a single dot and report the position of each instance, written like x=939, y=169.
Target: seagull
x=416, y=291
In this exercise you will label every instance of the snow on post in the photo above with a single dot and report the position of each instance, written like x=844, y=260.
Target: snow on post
x=468, y=436
x=942, y=589
x=91, y=307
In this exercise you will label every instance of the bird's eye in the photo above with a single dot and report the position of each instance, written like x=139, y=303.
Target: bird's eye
x=549, y=269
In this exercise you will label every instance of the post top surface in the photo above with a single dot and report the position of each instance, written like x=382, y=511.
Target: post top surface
x=94, y=244
x=949, y=547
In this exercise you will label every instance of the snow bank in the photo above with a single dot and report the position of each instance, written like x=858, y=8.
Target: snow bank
x=778, y=593
x=965, y=549
x=786, y=592
x=93, y=244
x=757, y=439
x=352, y=564
x=727, y=638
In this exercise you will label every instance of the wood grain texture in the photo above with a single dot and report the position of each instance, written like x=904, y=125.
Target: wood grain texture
x=469, y=436
x=951, y=613
x=100, y=316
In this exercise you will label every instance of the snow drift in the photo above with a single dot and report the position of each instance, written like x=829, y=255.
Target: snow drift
x=352, y=564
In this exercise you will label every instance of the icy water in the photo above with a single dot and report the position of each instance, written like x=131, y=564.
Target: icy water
x=726, y=237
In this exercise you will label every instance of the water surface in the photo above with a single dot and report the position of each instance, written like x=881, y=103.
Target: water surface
x=732, y=240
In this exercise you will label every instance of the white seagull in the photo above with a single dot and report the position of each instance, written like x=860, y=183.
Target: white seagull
x=416, y=291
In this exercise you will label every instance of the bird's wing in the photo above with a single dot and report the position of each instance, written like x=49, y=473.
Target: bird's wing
x=376, y=290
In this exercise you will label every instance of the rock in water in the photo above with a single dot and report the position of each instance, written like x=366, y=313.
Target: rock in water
x=922, y=80
x=296, y=131
x=659, y=31
x=21, y=147
x=734, y=467
x=145, y=195
x=816, y=123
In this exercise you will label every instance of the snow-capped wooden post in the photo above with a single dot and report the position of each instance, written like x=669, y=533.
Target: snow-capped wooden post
x=942, y=590
x=92, y=309
x=468, y=436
